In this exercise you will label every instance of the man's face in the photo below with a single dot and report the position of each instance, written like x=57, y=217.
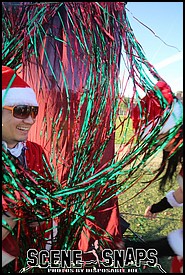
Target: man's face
x=14, y=129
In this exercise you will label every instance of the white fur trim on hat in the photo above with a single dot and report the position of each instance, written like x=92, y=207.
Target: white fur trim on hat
x=19, y=96
x=175, y=116
x=172, y=201
x=175, y=239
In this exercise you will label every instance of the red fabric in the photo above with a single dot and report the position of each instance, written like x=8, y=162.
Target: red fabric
x=34, y=158
x=53, y=97
x=106, y=218
x=34, y=161
x=7, y=76
x=56, y=93
x=177, y=265
x=9, y=244
x=150, y=107
x=165, y=90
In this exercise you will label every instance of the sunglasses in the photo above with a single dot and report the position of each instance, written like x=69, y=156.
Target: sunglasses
x=23, y=111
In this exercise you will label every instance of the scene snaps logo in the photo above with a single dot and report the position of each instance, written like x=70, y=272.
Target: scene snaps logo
x=103, y=261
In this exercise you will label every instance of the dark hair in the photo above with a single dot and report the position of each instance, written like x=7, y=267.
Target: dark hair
x=170, y=164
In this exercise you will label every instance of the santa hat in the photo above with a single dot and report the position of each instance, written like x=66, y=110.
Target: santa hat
x=149, y=111
x=15, y=91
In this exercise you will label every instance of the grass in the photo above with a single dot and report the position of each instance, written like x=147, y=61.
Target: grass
x=132, y=210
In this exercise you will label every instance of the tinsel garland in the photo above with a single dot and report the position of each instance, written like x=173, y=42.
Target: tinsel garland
x=73, y=50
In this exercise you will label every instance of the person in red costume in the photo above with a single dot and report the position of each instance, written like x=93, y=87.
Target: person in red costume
x=174, y=198
x=67, y=91
x=19, y=112
x=172, y=244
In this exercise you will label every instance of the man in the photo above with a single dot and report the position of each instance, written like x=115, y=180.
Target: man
x=19, y=112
